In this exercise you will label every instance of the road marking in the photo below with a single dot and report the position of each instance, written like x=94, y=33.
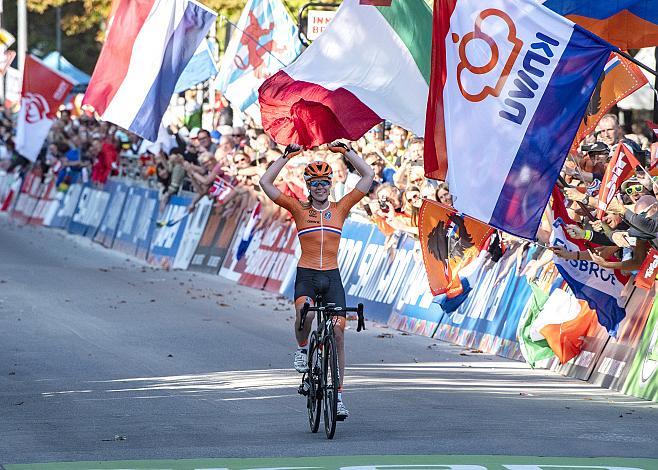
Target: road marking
x=369, y=462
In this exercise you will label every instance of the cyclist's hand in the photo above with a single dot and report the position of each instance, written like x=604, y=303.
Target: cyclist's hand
x=292, y=150
x=338, y=147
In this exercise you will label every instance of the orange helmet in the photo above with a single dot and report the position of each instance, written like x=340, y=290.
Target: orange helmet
x=317, y=171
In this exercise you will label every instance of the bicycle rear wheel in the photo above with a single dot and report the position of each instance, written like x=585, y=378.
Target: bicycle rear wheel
x=314, y=397
x=330, y=383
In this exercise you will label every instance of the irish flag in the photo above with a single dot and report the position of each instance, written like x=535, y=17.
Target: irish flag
x=371, y=63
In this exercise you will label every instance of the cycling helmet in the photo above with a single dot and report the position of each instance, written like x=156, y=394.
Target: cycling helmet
x=317, y=170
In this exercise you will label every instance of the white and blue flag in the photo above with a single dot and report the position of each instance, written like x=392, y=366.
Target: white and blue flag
x=200, y=68
x=264, y=41
x=510, y=84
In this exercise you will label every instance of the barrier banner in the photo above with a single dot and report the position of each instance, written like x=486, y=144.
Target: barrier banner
x=285, y=260
x=378, y=278
x=169, y=233
x=108, y=227
x=642, y=378
x=231, y=267
x=68, y=203
x=89, y=212
x=46, y=201
x=125, y=239
x=615, y=361
x=12, y=186
x=477, y=320
x=260, y=257
x=27, y=198
x=214, y=244
x=145, y=224
x=195, y=227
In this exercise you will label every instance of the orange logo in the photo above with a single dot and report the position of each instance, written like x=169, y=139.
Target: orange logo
x=477, y=33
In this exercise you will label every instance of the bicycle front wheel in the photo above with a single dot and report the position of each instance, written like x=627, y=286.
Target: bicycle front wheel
x=330, y=381
x=314, y=397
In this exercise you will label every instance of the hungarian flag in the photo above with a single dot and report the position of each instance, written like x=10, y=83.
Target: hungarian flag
x=620, y=78
x=509, y=88
x=371, y=63
x=628, y=24
x=44, y=90
x=449, y=242
x=621, y=167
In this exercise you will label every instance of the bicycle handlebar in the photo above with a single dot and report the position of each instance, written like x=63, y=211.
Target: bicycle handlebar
x=358, y=310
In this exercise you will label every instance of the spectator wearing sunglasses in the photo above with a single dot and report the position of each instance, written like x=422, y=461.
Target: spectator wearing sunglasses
x=634, y=189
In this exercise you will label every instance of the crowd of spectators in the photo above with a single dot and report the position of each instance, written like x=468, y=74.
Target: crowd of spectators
x=226, y=163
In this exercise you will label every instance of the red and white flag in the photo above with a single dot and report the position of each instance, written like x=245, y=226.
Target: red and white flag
x=620, y=168
x=44, y=90
x=654, y=127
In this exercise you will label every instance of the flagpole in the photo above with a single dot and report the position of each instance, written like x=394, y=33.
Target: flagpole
x=636, y=62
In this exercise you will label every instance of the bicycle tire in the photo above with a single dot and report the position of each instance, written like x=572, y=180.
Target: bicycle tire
x=314, y=397
x=330, y=382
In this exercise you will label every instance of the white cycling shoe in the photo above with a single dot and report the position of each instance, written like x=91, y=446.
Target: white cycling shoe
x=341, y=411
x=300, y=362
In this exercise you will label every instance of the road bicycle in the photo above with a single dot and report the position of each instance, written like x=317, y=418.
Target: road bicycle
x=320, y=383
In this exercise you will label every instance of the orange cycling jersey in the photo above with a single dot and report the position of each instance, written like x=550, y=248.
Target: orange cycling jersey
x=319, y=231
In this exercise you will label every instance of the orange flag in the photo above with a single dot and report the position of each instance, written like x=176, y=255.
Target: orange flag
x=566, y=339
x=620, y=78
x=621, y=167
x=449, y=242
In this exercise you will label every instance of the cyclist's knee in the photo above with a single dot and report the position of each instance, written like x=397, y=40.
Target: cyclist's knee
x=300, y=301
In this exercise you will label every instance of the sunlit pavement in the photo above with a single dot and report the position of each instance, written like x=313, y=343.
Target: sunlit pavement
x=103, y=359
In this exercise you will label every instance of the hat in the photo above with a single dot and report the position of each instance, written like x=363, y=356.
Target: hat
x=596, y=147
x=629, y=182
x=215, y=135
x=194, y=132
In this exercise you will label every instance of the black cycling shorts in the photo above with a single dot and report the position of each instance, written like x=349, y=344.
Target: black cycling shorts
x=328, y=284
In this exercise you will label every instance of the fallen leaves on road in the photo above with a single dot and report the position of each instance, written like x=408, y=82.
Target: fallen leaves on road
x=384, y=335
x=105, y=270
x=117, y=437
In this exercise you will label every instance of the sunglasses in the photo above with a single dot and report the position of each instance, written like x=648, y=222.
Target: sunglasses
x=240, y=160
x=634, y=189
x=320, y=183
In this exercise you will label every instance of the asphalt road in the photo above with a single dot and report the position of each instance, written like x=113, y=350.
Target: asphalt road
x=104, y=358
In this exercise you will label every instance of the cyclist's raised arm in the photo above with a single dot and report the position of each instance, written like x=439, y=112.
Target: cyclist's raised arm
x=365, y=171
x=267, y=180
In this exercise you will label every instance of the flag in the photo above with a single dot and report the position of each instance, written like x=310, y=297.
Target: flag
x=200, y=68
x=628, y=24
x=248, y=233
x=533, y=350
x=371, y=63
x=147, y=49
x=449, y=242
x=647, y=275
x=599, y=287
x=503, y=111
x=654, y=127
x=619, y=169
x=265, y=40
x=44, y=90
x=562, y=323
x=620, y=78
x=6, y=58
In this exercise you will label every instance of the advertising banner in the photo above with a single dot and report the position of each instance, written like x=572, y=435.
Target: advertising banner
x=260, y=258
x=146, y=222
x=27, y=198
x=215, y=240
x=45, y=202
x=89, y=212
x=614, y=362
x=68, y=203
x=169, y=233
x=285, y=262
x=582, y=366
x=108, y=227
x=231, y=267
x=642, y=378
x=193, y=233
x=125, y=239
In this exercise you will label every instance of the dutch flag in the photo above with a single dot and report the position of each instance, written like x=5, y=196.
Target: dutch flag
x=147, y=49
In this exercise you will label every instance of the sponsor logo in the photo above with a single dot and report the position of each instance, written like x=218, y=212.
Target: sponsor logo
x=481, y=37
x=312, y=213
x=36, y=108
x=491, y=72
x=327, y=215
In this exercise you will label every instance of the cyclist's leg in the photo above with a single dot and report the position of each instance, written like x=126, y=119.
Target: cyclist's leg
x=304, y=292
x=336, y=294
